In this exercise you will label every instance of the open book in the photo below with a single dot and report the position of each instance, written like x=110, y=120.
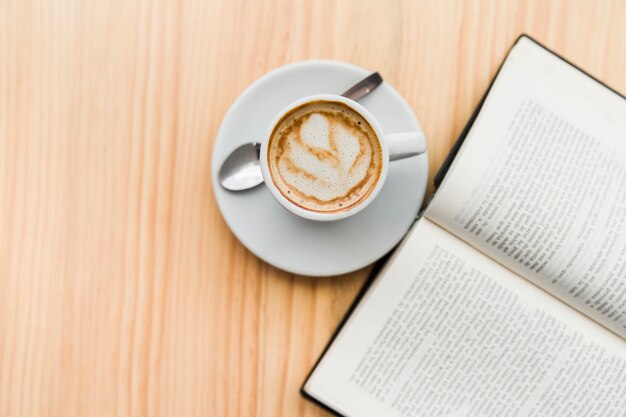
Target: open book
x=508, y=296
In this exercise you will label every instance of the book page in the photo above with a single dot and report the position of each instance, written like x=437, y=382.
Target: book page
x=445, y=331
x=540, y=183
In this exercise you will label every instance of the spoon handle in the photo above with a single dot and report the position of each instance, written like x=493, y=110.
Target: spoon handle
x=363, y=87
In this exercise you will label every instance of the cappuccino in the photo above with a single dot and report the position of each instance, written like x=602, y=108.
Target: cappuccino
x=325, y=157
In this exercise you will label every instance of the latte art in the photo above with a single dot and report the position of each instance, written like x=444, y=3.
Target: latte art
x=324, y=156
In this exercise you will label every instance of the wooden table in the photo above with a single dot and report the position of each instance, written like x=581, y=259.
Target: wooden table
x=122, y=291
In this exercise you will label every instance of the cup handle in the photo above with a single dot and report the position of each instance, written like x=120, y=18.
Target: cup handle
x=405, y=144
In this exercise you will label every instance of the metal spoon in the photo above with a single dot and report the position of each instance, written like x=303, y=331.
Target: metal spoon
x=241, y=170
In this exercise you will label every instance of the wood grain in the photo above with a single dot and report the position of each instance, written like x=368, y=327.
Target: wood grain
x=122, y=291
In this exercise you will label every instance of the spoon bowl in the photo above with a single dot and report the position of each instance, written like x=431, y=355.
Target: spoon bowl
x=242, y=170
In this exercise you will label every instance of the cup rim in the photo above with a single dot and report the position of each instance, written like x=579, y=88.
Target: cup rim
x=314, y=215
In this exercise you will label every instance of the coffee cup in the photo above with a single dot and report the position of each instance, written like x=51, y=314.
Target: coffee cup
x=325, y=157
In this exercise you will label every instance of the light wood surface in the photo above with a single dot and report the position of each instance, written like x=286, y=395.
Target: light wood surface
x=122, y=291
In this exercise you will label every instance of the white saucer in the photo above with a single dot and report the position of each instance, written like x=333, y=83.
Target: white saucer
x=303, y=246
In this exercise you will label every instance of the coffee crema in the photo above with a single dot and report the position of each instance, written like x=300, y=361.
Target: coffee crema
x=324, y=156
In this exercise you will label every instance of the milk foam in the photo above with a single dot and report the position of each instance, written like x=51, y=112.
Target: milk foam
x=324, y=157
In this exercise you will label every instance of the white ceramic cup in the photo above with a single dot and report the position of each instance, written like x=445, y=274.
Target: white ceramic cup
x=394, y=146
